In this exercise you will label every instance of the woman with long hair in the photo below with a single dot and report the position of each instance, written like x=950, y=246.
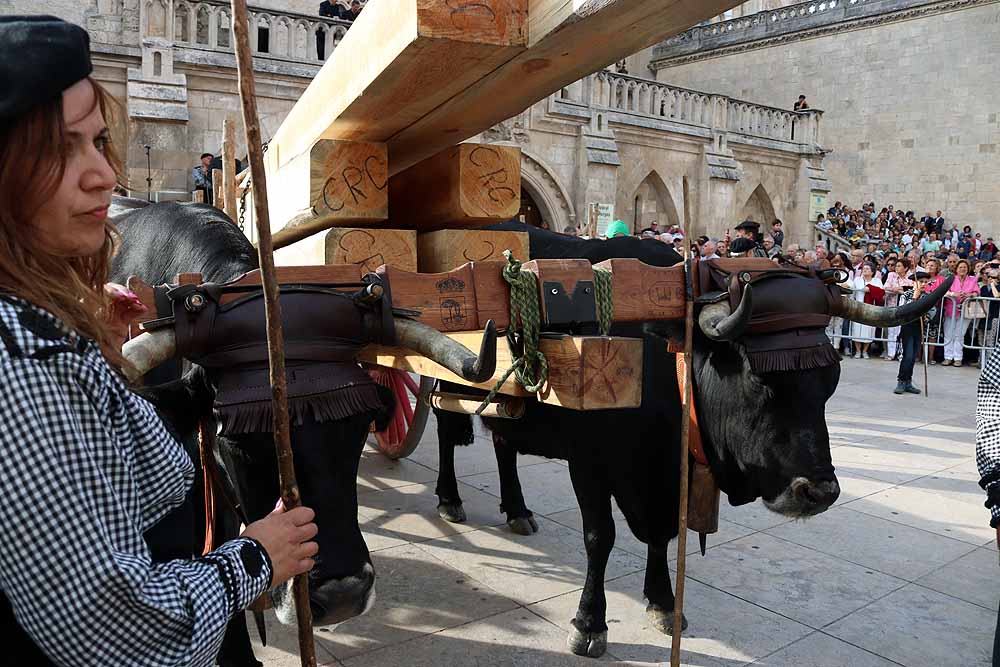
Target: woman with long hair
x=88, y=467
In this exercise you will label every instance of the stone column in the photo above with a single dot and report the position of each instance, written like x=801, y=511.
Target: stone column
x=597, y=167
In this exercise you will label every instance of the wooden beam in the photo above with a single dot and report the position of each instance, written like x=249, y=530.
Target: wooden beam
x=585, y=372
x=217, y=188
x=457, y=300
x=451, y=248
x=367, y=249
x=569, y=39
x=336, y=183
x=469, y=185
x=229, y=168
x=641, y=293
x=400, y=60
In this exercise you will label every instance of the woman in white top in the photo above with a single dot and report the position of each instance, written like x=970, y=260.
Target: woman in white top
x=863, y=334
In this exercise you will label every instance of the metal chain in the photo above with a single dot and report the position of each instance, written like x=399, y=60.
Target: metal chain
x=243, y=199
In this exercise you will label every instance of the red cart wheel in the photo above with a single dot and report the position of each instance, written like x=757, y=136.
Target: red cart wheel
x=406, y=427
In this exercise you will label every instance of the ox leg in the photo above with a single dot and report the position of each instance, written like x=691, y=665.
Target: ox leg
x=453, y=430
x=658, y=590
x=589, y=636
x=519, y=517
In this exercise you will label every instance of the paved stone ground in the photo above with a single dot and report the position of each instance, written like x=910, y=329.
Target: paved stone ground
x=901, y=571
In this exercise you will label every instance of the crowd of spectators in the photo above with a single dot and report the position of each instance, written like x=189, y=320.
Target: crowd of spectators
x=890, y=250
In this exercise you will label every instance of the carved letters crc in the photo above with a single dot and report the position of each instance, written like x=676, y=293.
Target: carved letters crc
x=357, y=180
x=494, y=176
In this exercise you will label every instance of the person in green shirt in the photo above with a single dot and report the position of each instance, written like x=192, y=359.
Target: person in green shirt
x=931, y=243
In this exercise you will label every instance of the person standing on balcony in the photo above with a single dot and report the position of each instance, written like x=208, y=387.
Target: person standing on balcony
x=800, y=104
x=334, y=10
x=354, y=11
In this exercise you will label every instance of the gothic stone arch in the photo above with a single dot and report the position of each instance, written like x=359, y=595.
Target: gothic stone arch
x=653, y=202
x=759, y=206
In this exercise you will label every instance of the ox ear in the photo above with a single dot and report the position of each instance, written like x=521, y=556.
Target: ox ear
x=671, y=331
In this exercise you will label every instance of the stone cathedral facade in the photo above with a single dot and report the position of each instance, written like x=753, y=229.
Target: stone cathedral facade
x=623, y=143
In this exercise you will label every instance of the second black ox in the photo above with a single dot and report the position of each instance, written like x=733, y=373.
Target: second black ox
x=763, y=372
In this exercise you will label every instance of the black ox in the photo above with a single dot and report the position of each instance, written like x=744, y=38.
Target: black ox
x=328, y=431
x=761, y=382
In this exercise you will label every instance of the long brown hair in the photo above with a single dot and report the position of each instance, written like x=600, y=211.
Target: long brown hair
x=33, y=150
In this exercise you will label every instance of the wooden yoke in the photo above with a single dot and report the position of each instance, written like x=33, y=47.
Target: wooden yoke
x=641, y=293
x=566, y=290
x=469, y=185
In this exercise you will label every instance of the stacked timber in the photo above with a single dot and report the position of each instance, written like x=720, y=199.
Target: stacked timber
x=372, y=171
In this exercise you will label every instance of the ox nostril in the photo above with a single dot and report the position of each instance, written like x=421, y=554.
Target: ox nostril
x=823, y=493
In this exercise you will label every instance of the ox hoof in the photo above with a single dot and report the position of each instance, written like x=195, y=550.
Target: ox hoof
x=663, y=620
x=587, y=644
x=525, y=525
x=453, y=513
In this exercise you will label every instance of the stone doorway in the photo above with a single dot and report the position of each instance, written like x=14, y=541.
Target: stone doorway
x=530, y=213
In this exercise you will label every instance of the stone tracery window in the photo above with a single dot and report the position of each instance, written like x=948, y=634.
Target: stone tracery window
x=201, y=33
x=223, y=39
x=263, y=35
x=181, y=23
x=156, y=18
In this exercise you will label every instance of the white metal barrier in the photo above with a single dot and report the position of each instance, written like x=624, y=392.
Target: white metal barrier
x=974, y=322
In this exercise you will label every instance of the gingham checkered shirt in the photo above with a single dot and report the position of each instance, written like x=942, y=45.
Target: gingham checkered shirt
x=988, y=435
x=88, y=467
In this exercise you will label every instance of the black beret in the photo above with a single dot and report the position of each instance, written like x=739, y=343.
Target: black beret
x=741, y=245
x=40, y=57
x=748, y=224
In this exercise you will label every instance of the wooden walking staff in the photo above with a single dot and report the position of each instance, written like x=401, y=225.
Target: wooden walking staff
x=686, y=406
x=272, y=313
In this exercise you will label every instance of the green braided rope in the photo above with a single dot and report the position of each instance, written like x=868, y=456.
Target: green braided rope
x=531, y=369
x=602, y=295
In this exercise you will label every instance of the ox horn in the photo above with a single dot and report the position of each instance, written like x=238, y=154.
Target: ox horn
x=880, y=316
x=454, y=356
x=151, y=349
x=147, y=351
x=720, y=323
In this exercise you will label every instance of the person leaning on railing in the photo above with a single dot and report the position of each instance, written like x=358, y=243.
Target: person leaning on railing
x=956, y=323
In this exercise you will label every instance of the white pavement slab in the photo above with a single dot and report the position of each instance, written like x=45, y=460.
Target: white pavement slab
x=902, y=571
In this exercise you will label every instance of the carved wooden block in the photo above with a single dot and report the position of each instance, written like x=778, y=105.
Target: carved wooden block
x=641, y=293
x=367, y=249
x=594, y=372
x=335, y=184
x=585, y=372
x=468, y=185
x=447, y=249
x=446, y=301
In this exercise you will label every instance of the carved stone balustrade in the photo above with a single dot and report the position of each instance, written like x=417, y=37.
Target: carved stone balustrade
x=637, y=99
x=285, y=36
